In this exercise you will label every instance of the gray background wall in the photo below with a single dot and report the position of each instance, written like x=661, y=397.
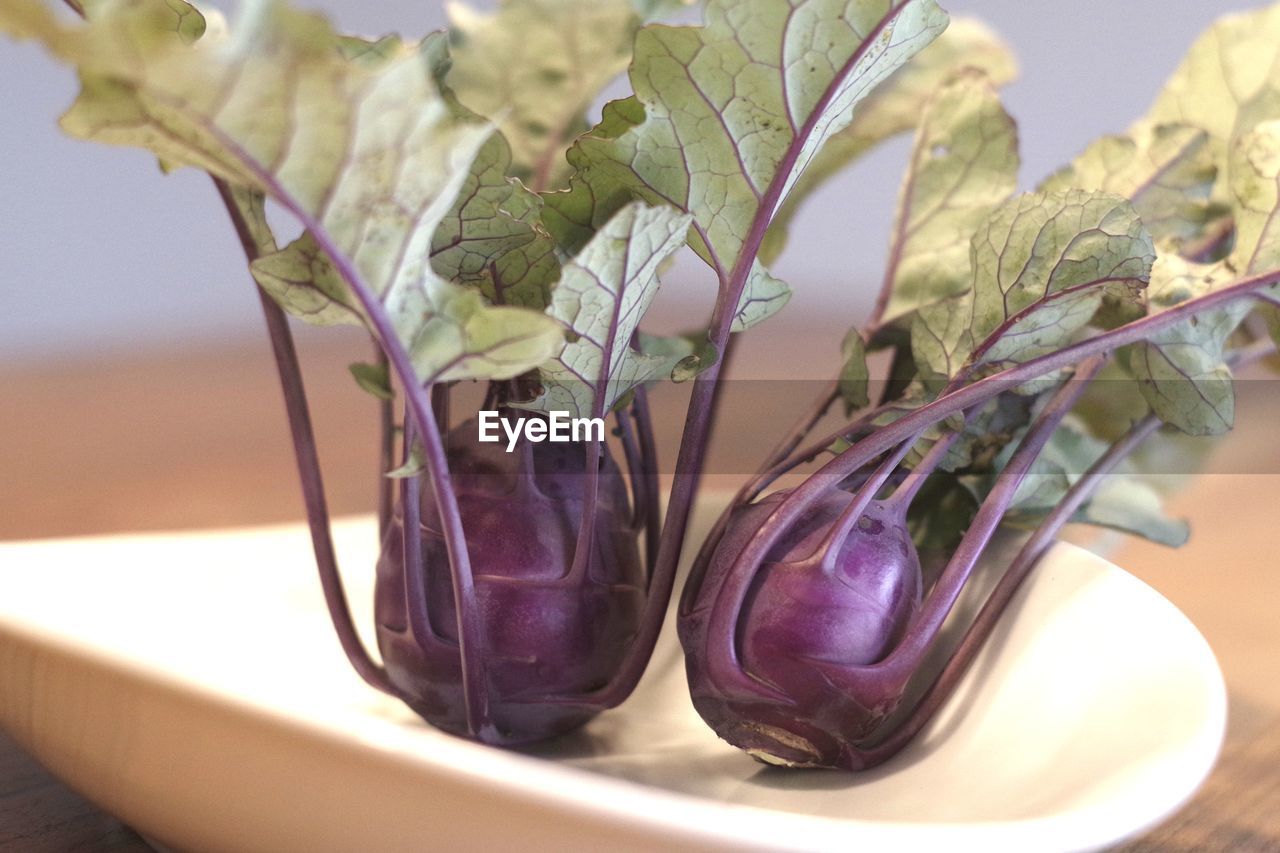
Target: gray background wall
x=99, y=251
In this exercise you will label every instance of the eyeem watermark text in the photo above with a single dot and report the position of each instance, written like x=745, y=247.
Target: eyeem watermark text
x=557, y=426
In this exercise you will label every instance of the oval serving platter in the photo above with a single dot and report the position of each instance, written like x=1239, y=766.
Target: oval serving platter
x=190, y=684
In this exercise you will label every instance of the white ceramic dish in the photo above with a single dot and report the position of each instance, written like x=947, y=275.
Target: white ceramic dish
x=190, y=684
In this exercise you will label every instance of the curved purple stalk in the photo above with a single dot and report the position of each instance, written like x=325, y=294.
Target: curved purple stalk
x=983, y=390
x=1028, y=557
x=915, y=479
x=649, y=469
x=895, y=668
x=830, y=545
x=470, y=638
x=776, y=464
x=702, y=403
x=308, y=462
x=415, y=579
x=801, y=428
x=590, y=492
x=386, y=453
x=631, y=453
x=812, y=451
x=922, y=632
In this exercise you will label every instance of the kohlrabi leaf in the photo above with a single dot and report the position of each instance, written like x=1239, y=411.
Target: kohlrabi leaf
x=1166, y=171
x=1255, y=192
x=682, y=357
x=1042, y=263
x=1131, y=505
x=304, y=282
x=252, y=207
x=452, y=333
x=854, y=374
x=481, y=244
x=652, y=10
x=895, y=108
x=982, y=435
x=362, y=151
x=763, y=297
x=189, y=23
x=964, y=162
x=492, y=237
x=727, y=117
x=1229, y=80
x=1255, y=201
x=534, y=67
x=373, y=379
x=1180, y=371
x=602, y=294
x=1123, y=502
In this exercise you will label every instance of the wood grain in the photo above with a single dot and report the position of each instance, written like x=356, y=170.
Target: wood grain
x=195, y=437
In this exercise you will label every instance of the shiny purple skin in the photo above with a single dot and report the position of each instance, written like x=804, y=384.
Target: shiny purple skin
x=799, y=615
x=546, y=632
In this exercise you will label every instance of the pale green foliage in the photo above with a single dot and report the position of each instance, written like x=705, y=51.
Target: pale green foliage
x=482, y=244
x=492, y=237
x=1229, y=80
x=1166, y=171
x=361, y=150
x=727, y=117
x=1180, y=371
x=1042, y=263
x=1255, y=193
x=854, y=375
x=1123, y=502
x=964, y=162
x=763, y=297
x=601, y=297
x=373, y=379
x=895, y=107
x=688, y=354
x=651, y=10
x=534, y=67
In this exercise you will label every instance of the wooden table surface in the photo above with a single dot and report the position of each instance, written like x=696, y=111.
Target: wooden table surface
x=195, y=436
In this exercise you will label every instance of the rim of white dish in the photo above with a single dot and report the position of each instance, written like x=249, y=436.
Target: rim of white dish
x=681, y=815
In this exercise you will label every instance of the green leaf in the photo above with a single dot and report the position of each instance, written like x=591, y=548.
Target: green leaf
x=188, y=23
x=374, y=379
x=1166, y=171
x=454, y=334
x=982, y=435
x=1123, y=502
x=362, y=151
x=252, y=207
x=763, y=297
x=1133, y=506
x=573, y=216
x=480, y=244
x=1180, y=371
x=682, y=357
x=1255, y=196
x=964, y=162
x=492, y=238
x=728, y=116
x=1042, y=263
x=854, y=375
x=601, y=297
x=652, y=10
x=1229, y=80
x=304, y=282
x=895, y=108
x=413, y=466
x=534, y=67
x=1255, y=191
